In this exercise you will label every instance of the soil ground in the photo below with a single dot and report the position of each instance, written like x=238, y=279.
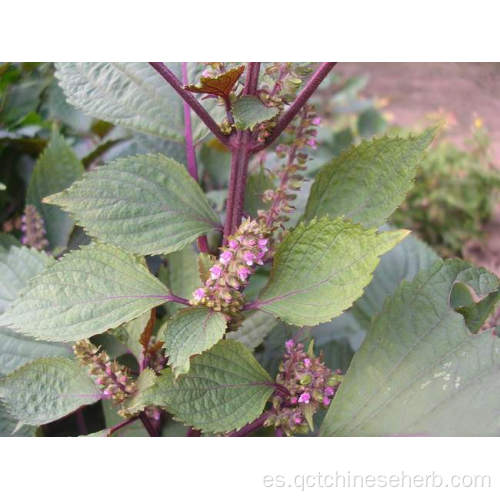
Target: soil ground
x=462, y=91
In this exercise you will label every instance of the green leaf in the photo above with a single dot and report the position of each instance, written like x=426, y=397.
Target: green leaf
x=47, y=389
x=337, y=354
x=56, y=169
x=257, y=183
x=131, y=94
x=191, y=331
x=248, y=111
x=17, y=350
x=321, y=268
x=146, y=204
x=370, y=123
x=368, y=182
x=9, y=427
x=403, y=262
x=224, y=390
x=130, y=333
x=17, y=266
x=254, y=329
x=85, y=293
x=183, y=276
x=420, y=371
x=7, y=241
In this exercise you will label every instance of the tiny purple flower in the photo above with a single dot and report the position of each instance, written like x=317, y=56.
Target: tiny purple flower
x=289, y=344
x=260, y=256
x=249, y=258
x=329, y=391
x=263, y=243
x=312, y=142
x=233, y=244
x=106, y=394
x=316, y=121
x=304, y=398
x=307, y=362
x=293, y=400
x=225, y=257
x=297, y=420
x=243, y=273
x=215, y=272
x=199, y=293
x=326, y=401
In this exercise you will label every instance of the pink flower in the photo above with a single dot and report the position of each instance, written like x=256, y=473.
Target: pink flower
x=293, y=400
x=297, y=420
x=307, y=362
x=243, y=273
x=249, y=258
x=199, y=293
x=304, y=398
x=312, y=142
x=260, y=256
x=106, y=394
x=263, y=244
x=316, y=121
x=225, y=257
x=215, y=272
x=329, y=391
x=326, y=401
x=233, y=244
x=289, y=344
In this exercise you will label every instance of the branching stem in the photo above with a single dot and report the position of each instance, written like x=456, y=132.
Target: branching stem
x=189, y=98
x=318, y=76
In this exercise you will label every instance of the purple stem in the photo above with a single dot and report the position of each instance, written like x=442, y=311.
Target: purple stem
x=188, y=97
x=80, y=422
x=117, y=427
x=179, y=300
x=148, y=425
x=251, y=427
x=240, y=156
x=313, y=83
x=188, y=132
x=190, y=152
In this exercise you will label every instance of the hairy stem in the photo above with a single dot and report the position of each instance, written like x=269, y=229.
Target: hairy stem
x=313, y=83
x=251, y=427
x=193, y=103
x=190, y=152
x=241, y=145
